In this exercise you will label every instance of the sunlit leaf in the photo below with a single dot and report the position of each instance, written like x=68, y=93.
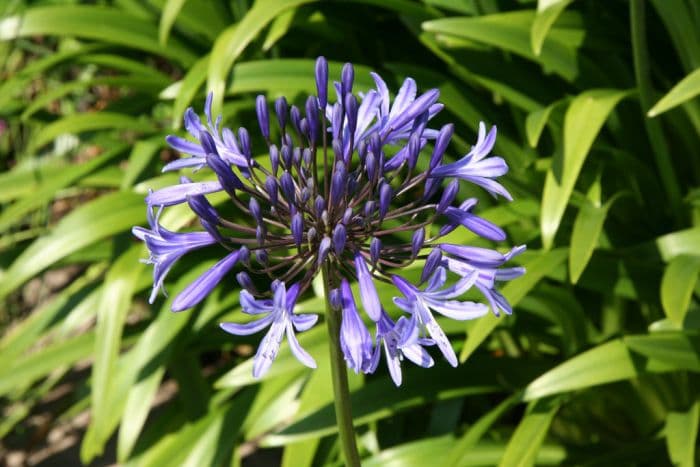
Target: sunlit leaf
x=677, y=286
x=231, y=43
x=79, y=123
x=475, y=432
x=681, y=434
x=170, y=11
x=528, y=437
x=685, y=90
x=586, y=232
x=613, y=361
x=92, y=22
x=114, y=305
x=547, y=13
x=511, y=31
x=584, y=119
x=681, y=349
x=107, y=216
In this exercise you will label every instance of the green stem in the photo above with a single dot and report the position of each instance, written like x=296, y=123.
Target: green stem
x=339, y=374
x=659, y=147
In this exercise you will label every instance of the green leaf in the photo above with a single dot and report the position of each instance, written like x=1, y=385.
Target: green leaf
x=510, y=31
x=430, y=451
x=105, y=216
x=514, y=291
x=48, y=187
x=605, y=363
x=115, y=302
x=188, y=88
x=586, y=231
x=129, y=65
x=483, y=454
x=24, y=334
x=681, y=433
x=170, y=11
x=275, y=403
x=378, y=399
x=25, y=370
x=682, y=242
x=317, y=392
x=293, y=75
x=686, y=89
x=547, y=13
x=79, y=123
x=535, y=123
x=613, y=361
x=404, y=8
x=584, y=119
x=279, y=27
x=148, y=359
x=677, y=286
x=525, y=443
x=92, y=22
x=680, y=349
x=138, y=405
x=141, y=155
x=233, y=41
x=16, y=83
x=206, y=441
x=471, y=438
x=145, y=83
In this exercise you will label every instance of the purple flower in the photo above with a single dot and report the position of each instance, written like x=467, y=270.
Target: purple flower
x=350, y=189
x=488, y=271
x=225, y=141
x=200, y=288
x=475, y=167
x=420, y=304
x=355, y=340
x=401, y=339
x=368, y=292
x=395, y=120
x=463, y=215
x=280, y=319
x=166, y=248
x=178, y=194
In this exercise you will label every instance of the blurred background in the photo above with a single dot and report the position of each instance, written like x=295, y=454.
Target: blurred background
x=597, y=115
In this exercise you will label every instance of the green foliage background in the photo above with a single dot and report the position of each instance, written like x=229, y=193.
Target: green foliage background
x=597, y=116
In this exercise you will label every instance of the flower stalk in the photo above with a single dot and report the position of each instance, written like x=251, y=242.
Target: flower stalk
x=339, y=375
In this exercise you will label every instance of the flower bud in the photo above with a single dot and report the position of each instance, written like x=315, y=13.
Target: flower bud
x=417, y=241
x=281, y=110
x=448, y=196
x=431, y=263
x=339, y=237
x=271, y=188
x=246, y=282
x=263, y=116
x=375, y=247
x=385, y=195
x=322, y=82
x=323, y=249
x=347, y=76
x=297, y=228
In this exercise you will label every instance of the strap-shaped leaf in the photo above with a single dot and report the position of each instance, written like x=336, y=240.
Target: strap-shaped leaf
x=584, y=119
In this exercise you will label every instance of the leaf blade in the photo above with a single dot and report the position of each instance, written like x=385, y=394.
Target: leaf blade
x=583, y=120
x=677, y=286
x=686, y=89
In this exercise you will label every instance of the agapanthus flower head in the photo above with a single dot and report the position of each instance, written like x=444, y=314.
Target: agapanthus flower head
x=353, y=188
